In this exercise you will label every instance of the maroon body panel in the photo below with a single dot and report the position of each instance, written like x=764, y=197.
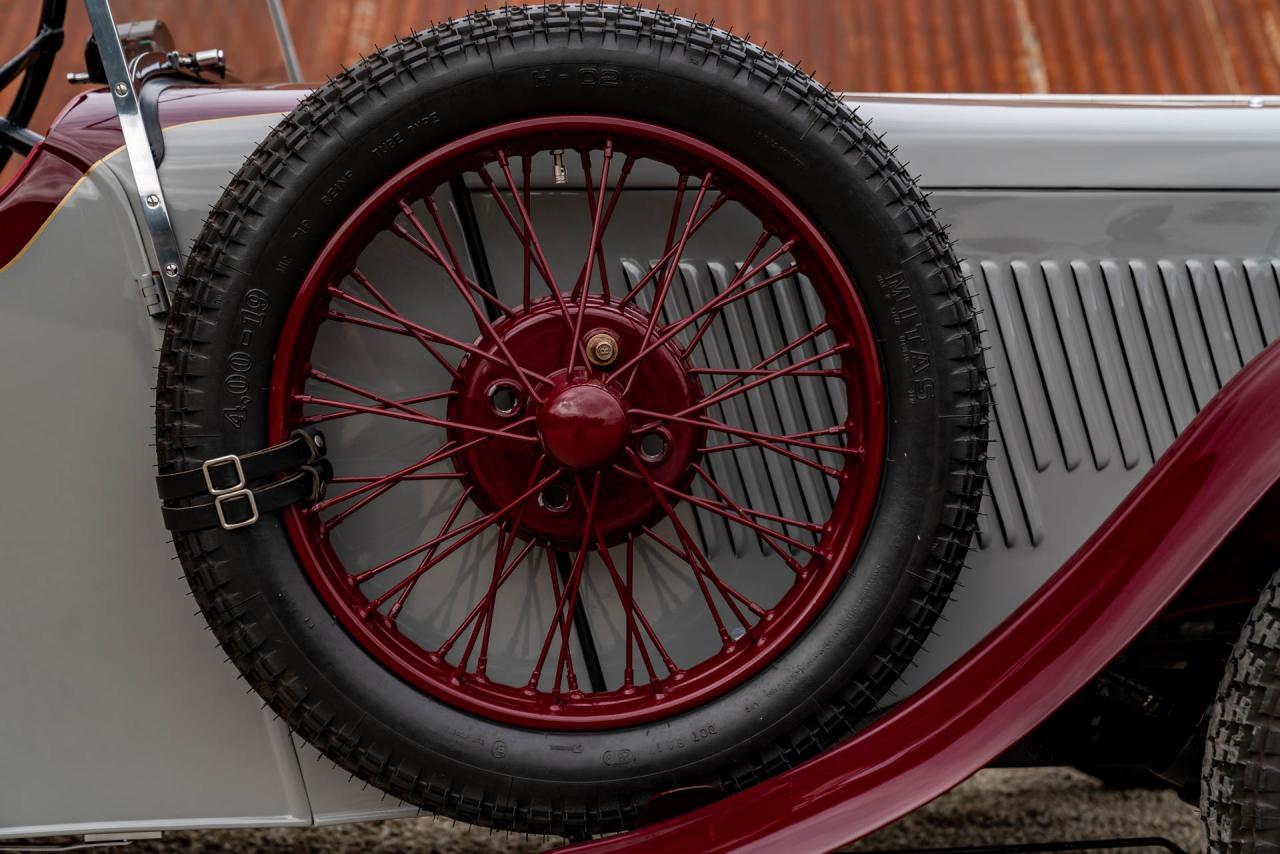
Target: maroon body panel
x=87, y=130
x=1114, y=585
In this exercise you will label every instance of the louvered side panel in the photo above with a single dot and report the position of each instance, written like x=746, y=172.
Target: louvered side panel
x=1096, y=363
x=1013, y=496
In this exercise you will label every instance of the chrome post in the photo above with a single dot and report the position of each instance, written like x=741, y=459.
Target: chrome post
x=146, y=177
x=281, y=23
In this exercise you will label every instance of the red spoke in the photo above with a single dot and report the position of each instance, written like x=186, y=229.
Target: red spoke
x=767, y=535
x=375, y=493
x=567, y=602
x=444, y=528
x=393, y=314
x=746, y=517
x=594, y=250
x=368, y=478
x=527, y=164
x=668, y=246
x=668, y=253
x=766, y=440
x=512, y=566
x=583, y=286
x=724, y=588
x=626, y=594
x=526, y=236
x=491, y=597
x=481, y=318
x=444, y=452
x=731, y=292
x=399, y=231
x=627, y=163
x=706, y=325
x=696, y=560
x=752, y=372
x=538, y=255
x=734, y=512
x=574, y=585
x=837, y=430
x=407, y=401
x=387, y=403
x=673, y=268
x=562, y=619
x=414, y=417
x=414, y=330
x=467, y=533
x=736, y=386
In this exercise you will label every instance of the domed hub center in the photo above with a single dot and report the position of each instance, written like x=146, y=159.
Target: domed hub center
x=583, y=425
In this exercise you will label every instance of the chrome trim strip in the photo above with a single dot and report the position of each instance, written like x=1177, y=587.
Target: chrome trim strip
x=1137, y=99
x=145, y=175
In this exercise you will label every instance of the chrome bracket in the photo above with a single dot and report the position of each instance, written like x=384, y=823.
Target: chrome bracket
x=146, y=177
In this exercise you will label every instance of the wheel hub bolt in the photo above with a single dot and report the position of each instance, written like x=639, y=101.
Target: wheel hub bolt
x=602, y=349
x=655, y=445
x=555, y=498
x=505, y=399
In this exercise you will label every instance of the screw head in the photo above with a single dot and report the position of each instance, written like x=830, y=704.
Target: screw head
x=121, y=90
x=602, y=349
x=171, y=269
x=153, y=201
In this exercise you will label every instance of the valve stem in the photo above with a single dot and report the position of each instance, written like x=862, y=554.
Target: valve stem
x=561, y=174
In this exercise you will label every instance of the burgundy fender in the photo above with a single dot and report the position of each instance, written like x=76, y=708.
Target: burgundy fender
x=1121, y=578
x=88, y=131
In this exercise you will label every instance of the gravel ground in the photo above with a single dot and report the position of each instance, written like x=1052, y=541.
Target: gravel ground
x=1035, y=805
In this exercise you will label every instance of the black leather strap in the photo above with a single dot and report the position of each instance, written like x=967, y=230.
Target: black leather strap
x=222, y=475
x=242, y=508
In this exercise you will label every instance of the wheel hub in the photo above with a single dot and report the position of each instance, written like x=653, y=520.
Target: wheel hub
x=583, y=425
x=584, y=420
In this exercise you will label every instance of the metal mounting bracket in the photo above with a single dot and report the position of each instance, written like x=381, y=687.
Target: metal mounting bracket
x=146, y=177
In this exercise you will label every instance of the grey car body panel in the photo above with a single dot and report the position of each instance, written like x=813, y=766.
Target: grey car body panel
x=1125, y=258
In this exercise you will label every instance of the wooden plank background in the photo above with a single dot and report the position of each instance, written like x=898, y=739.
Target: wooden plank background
x=1109, y=46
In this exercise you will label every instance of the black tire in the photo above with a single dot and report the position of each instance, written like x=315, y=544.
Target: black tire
x=320, y=162
x=1240, y=790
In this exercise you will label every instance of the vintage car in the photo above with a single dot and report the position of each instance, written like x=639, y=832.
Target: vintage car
x=576, y=420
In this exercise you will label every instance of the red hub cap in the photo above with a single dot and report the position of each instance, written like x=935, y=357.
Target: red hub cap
x=575, y=492
x=583, y=425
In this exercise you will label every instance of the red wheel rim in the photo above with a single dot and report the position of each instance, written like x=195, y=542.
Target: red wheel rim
x=576, y=423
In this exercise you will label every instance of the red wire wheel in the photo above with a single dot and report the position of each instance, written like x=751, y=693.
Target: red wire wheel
x=559, y=502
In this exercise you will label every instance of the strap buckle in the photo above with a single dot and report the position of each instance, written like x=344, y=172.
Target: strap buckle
x=207, y=468
x=314, y=441
x=220, y=502
x=320, y=475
